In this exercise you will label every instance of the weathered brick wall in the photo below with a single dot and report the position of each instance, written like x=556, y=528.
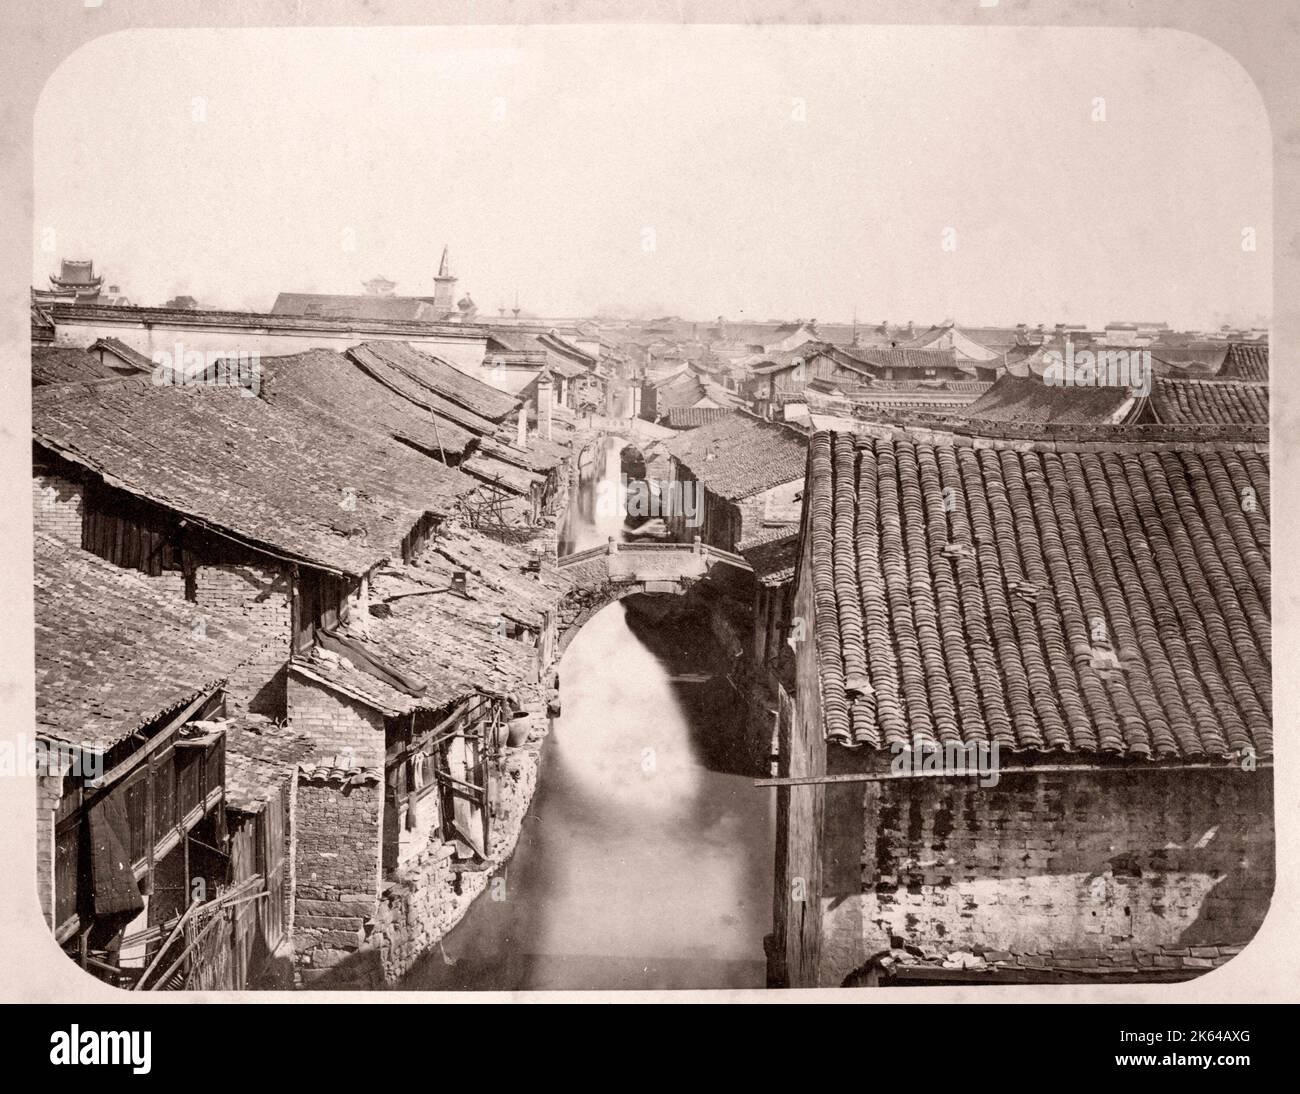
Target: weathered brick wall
x=336, y=723
x=57, y=506
x=422, y=904
x=1071, y=866
x=336, y=867
x=262, y=594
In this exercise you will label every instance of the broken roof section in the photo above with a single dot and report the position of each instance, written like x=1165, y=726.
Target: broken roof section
x=261, y=755
x=741, y=455
x=1084, y=601
x=295, y=481
x=115, y=653
x=433, y=374
x=452, y=644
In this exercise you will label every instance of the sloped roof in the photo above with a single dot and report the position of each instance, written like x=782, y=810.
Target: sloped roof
x=416, y=392
x=772, y=554
x=124, y=353
x=741, y=455
x=1028, y=400
x=114, y=652
x=911, y=359
x=260, y=756
x=453, y=645
x=1246, y=361
x=1220, y=402
x=952, y=337
x=435, y=374
x=354, y=306
x=278, y=477
x=1198, y=359
x=1080, y=601
x=68, y=364
x=321, y=379
x=690, y=417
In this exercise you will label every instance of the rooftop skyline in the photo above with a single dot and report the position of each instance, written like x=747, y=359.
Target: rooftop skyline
x=892, y=172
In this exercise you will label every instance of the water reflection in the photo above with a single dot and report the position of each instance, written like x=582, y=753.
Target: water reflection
x=645, y=860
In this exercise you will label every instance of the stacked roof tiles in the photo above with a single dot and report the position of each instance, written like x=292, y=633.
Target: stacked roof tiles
x=1246, y=361
x=260, y=755
x=453, y=644
x=741, y=455
x=1049, y=601
x=431, y=373
x=98, y=625
x=1217, y=402
x=69, y=364
x=299, y=480
x=1030, y=401
x=322, y=380
x=689, y=417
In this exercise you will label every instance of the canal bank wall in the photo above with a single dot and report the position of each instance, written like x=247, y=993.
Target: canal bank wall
x=429, y=898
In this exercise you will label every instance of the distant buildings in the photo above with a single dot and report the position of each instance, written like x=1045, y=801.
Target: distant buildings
x=379, y=301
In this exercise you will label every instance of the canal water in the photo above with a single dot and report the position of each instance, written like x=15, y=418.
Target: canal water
x=645, y=860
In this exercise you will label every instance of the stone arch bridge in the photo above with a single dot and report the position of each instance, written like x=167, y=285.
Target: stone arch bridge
x=601, y=575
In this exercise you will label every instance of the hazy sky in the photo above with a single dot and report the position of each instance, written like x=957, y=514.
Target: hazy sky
x=777, y=172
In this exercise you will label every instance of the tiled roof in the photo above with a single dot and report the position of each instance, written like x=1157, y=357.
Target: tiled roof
x=331, y=771
x=321, y=379
x=561, y=347
x=1198, y=359
x=353, y=306
x=452, y=644
x=416, y=392
x=685, y=389
x=1246, y=361
x=490, y=468
x=260, y=755
x=741, y=455
x=114, y=652
x=304, y=484
x=1028, y=400
x=124, y=353
x=910, y=359
x=1086, y=602
x=772, y=556
x=1223, y=402
x=689, y=417
x=67, y=364
x=438, y=376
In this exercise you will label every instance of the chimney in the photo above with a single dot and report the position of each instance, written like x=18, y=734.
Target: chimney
x=521, y=437
x=544, y=405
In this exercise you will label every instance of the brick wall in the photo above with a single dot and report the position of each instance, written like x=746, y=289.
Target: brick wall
x=263, y=594
x=424, y=901
x=336, y=723
x=336, y=870
x=1074, y=867
x=57, y=505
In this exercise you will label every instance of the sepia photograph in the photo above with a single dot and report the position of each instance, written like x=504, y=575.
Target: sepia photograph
x=706, y=508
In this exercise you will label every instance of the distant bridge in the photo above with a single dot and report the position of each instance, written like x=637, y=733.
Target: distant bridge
x=600, y=575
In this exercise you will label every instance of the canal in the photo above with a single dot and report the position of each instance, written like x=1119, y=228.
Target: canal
x=645, y=860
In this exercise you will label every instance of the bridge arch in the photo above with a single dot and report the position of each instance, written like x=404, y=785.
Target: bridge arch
x=601, y=575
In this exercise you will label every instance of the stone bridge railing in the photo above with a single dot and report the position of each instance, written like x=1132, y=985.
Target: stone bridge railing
x=600, y=575
x=690, y=553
